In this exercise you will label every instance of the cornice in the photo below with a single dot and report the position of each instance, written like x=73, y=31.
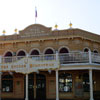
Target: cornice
x=45, y=33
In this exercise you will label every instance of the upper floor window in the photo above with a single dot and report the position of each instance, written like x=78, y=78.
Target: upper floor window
x=86, y=50
x=8, y=57
x=63, y=50
x=64, y=55
x=65, y=82
x=8, y=54
x=21, y=54
x=35, y=55
x=35, y=52
x=49, y=51
x=95, y=51
x=49, y=54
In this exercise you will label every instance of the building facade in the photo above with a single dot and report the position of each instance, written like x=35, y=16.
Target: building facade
x=41, y=63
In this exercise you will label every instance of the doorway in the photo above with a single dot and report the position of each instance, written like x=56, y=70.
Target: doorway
x=41, y=87
x=31, y=86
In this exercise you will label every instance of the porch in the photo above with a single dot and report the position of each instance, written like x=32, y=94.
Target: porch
x=66, y=61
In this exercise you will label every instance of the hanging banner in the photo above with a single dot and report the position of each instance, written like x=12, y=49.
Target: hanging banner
x=27, y=65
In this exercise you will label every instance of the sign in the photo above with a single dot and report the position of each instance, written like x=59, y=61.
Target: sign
x=27, y=65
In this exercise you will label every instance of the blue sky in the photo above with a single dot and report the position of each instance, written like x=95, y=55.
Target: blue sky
x=83, y=14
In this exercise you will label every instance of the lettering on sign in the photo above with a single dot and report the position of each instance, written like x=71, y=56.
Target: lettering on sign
x=18, y=66
x=40, y=65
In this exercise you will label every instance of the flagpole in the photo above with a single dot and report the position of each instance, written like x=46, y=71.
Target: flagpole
x=35, y=14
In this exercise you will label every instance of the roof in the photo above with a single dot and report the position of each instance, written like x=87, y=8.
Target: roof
x=38, y=31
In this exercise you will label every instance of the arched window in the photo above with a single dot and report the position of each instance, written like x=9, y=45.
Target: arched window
x=35, y=55
x=86, y=50
x=49, y=54
x=49, y=51
x=65, y=82
x=63, y=50
x=64, y=56
x=35, y=52
x=86, y=86
x=8, y=54
x=7, y=83
x=21, y=54
x=95, y=51
x=8, y=57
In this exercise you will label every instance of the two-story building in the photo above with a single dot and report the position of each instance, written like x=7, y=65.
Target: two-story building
x=44, y=64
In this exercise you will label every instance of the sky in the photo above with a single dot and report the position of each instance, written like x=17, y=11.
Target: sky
x=83, y=14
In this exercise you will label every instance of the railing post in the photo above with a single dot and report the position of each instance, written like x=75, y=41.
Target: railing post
x=27, y=55
x=90, y=57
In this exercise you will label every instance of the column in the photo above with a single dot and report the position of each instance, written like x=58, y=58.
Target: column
x=26, y=98
x=57, y=56
x=35, y=86
x=90, y=58
x=91, y=84
x=0, y=84
x=57, y=88
x=0, y=59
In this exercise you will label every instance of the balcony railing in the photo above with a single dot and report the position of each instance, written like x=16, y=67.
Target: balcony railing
x=65, y=58
x=33, y=57
x=70, y=58
x=95, y=57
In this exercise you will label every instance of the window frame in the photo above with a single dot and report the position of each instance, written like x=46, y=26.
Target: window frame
x=9, y=86
x=64, y=83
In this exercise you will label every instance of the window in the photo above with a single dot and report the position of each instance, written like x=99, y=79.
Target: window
x=65, y=82
x=64, y=56
x=49, y=54
x=64, y=50
x=95, y=51
x=86, y=84
x=8, y=57
x=7, y=83
x=35, y=55
x=20, y=55
x=86, y=50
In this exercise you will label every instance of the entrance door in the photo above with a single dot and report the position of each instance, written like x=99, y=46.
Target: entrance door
x=31, y=86
x=41, y=87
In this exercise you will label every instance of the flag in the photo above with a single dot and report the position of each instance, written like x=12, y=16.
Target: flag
x=35, y=12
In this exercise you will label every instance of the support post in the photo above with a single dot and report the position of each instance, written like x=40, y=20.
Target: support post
x=0, y=84
x=90, y=58
x=57, y=56
x=26, y=98
x=91, y=84
x=0, y=59
x=57, y=82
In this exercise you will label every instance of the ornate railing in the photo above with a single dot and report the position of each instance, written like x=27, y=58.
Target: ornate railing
x=33, y=57
x=95, y=58
x=64, y=58
x=75, y=57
